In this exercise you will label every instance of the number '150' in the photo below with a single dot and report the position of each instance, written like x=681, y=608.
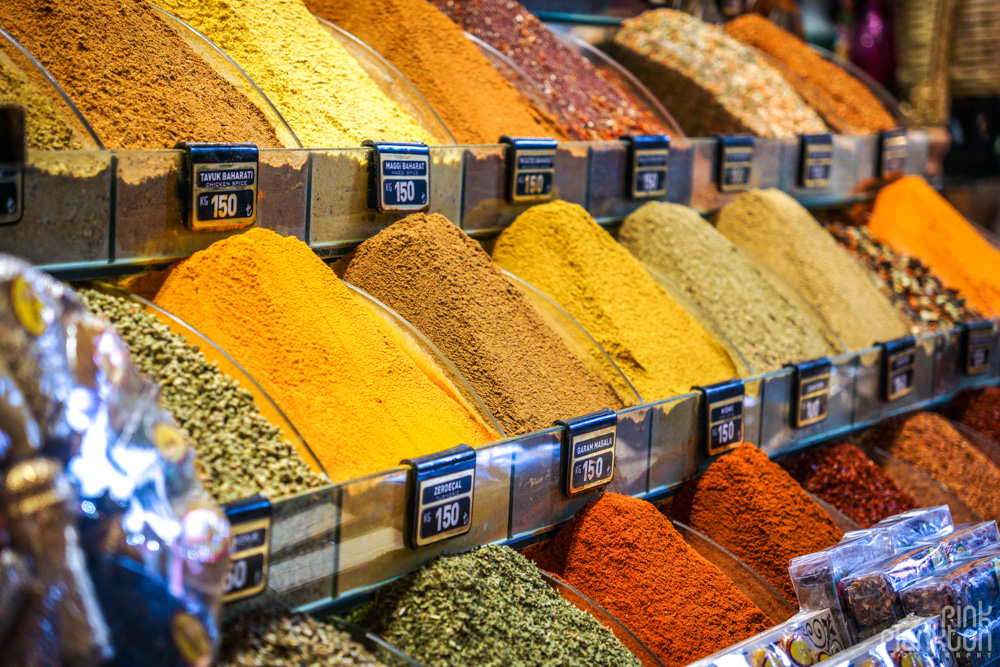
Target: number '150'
x=224, y=205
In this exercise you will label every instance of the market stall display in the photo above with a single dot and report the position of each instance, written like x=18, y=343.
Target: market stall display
x=782, y=234
x=661, y=349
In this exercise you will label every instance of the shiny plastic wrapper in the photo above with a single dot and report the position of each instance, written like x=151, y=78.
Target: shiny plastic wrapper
x=912, y=642
x=870, y=596
x=978, y=645
x=112, y=552
x=912, y=527
x=967, y=540
x=962, y=595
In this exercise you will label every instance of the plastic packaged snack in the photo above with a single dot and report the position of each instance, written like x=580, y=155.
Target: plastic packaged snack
x=912, y=642
x=978, y=645
x=805, y=639
x=115, y=550
x=909, y=528
x=815, y=576
x=962, y=595
x=967, y=540
x=870, y=596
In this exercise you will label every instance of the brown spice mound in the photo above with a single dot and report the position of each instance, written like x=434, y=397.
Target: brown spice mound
x=475, y=102
x=979, y=409
x=933, y=445
x=445, y=284
x=850, y=481
x=845, y=103
x=133, y=78
x=625, y=555
x=752, y=507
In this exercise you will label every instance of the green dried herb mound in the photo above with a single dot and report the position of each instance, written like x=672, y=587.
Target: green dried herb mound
x=488, y=607
x=273, y=638
x=240, y=453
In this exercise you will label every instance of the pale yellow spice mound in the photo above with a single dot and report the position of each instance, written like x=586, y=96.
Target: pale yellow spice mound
x=658, y=345
x=319, y=88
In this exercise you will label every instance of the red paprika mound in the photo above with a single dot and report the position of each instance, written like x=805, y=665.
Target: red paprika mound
x=850, y=481
x=752, y=507
x=625, y=555
x=979, y=409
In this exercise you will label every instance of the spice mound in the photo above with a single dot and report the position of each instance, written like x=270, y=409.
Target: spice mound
x=322, y=92
x=274, y=637
x=930, y=443
x=593, y=108
x=660, y=347
x=361, y=398
x=912, y=287
x=764, y=324
x=850, y=481
x=708, y=81
x=445, y=284
x=779, y=232
x=914, y=219
x=752, y=507
x=476, y=103
x=240, y=453
x=845, y=103
x=488, y=607
x=625, y=555
x=137, y=83
x=979, y=409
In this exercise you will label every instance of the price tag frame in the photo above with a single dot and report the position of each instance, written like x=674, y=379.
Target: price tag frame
x=806, y=374
x=528, y=150
x=250, y=541
x=582, y=433
x=735, y=152
x=722, y=403
x=13, y=150
x=892, y=152
x=231, y=162
x=431, y=483
x=816, y=153
x=977, y=338
x=899, y=359
x=648, y=154
x=386, y=159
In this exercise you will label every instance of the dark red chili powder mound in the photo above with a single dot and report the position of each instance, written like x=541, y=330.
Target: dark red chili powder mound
x=752, y=507
x=594, y=108
x=979, y=409
x=850, y=481
x=625, y=555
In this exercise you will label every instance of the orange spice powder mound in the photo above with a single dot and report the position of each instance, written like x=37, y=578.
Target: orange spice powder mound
x=361, y=397
x=915, y=220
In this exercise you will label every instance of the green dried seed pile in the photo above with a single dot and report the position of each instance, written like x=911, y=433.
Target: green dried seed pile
x=240, y=453
x=488, y=607
x=278, y=639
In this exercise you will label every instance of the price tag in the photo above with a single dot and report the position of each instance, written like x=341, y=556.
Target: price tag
x=250, y=548
x=441, y=493
x=648, y=164
x=588, y=451
x=531, y=169
x=816, y=162
x=978, y=346
x=399, y=176
x=811, y=392
x=12, y=154
x=222, y=186
x=722, y=415
x=735, y=163
x=892, y=152
x=899, y=367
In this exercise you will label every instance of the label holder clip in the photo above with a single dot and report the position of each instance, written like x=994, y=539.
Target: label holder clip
x=399, y=176
x=899, y=367
x=441, y=493
x=531, y=169
x=648, y=165
x=735, y=162
x=722, y=416
x=810, y=391
x=250, y=548
x=588, y=451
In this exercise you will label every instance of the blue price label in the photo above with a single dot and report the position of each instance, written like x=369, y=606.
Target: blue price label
x=811, y=401
x=399, y=176
x=589, y=451
x=816, y=162
x=250, y=548
x=223, y=186
x=648, y=165
x=892, y=152
x=735, y=162
x=531, y=167
x=978, y=346
x=442, y=492
x=899, y=363
x=723, y=416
